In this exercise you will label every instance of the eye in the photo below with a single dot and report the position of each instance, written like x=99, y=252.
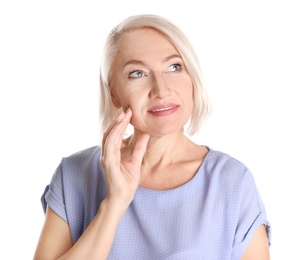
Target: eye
x=174, y=67
x=136, y=74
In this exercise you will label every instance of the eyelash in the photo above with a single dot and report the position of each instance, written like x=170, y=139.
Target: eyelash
x=136, y=71
x=179, y=66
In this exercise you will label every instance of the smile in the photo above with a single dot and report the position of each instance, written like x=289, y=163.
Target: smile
x=163, y=110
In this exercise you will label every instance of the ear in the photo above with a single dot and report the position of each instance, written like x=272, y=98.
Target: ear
x=114, y=97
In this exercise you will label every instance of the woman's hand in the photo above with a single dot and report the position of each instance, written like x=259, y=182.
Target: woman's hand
x=122, y=177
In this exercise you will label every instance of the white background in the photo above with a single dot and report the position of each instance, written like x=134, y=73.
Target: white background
x=252, y=59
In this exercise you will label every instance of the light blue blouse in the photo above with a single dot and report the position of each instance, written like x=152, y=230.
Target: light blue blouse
x=213, y=216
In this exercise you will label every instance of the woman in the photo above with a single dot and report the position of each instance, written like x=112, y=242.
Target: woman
x=155, y=194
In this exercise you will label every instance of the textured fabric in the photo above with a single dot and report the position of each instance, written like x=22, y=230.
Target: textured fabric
x=213, y=216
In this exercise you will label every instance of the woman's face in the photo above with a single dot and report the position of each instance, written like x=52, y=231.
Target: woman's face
x=149, y=76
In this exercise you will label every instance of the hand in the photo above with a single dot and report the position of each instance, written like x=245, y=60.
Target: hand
x=122, y=177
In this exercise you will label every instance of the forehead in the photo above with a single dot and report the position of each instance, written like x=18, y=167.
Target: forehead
x=144, y=42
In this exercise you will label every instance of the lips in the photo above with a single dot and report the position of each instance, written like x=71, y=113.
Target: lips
x=163, y=110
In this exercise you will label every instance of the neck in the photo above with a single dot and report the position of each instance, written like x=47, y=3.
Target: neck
x=161, y=151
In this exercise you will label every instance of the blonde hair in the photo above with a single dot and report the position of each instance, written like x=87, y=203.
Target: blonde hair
x=201, y=104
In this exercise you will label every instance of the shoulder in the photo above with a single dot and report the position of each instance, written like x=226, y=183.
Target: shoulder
x=225, y=171
x=84, y=153
x=77, y=188
x=81, y=173
x=231, y=180
x=222, y=162
x=83, y=156
x=81, y=163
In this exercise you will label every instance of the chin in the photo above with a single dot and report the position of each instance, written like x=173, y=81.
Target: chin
x=164, y=131
x=162, y=126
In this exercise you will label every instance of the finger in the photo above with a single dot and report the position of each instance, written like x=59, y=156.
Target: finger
x=140, y=149
x=113, y=141
x=110, y=127
x=122, y=125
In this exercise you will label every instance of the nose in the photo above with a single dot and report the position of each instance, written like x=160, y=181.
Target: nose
x=159, y=87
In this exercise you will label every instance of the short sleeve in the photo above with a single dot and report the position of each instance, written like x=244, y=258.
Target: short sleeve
x=53, y=195
x=251, y=215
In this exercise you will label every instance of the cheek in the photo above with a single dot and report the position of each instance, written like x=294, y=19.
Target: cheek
x=132, y=96
x=132, y=100
x=137, y=119
x=189, y=96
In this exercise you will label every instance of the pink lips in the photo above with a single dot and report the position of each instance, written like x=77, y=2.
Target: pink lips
x=163, y=110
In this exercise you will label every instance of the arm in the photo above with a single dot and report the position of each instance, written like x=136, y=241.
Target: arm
x=55, y=241
x=258, y=247
x=122, y=180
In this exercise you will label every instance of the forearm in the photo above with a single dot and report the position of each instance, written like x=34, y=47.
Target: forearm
x=96, y=241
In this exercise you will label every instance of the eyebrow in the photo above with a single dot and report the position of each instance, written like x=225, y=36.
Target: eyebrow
x=134, y=62
x=139, y=62
x=172, y=57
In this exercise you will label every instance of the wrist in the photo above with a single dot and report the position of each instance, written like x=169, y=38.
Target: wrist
x=115, y=207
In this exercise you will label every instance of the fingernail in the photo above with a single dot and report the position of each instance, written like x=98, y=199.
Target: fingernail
x=127, y=110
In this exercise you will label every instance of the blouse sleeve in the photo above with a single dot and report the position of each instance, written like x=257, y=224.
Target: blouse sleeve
x=53, y=195
x=251, y=215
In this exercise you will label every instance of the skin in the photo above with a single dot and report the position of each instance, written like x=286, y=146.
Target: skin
x=147, y=72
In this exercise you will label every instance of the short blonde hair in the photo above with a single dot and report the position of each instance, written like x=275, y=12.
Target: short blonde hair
x=201, y=104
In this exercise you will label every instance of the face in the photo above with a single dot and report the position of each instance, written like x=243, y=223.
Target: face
x=149, y=76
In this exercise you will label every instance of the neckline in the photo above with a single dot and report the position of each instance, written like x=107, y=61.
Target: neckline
x=186, y=184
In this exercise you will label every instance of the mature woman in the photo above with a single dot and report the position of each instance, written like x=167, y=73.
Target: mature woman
x=155, y=194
